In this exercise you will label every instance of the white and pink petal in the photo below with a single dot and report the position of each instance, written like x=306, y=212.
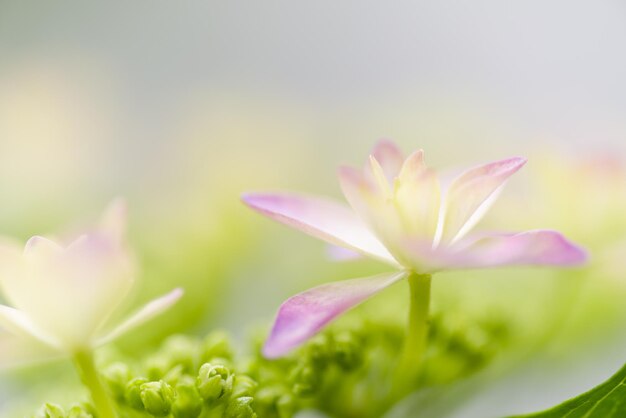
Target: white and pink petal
x=471, y=194
x=530, y=248
x=305, y=314
x=389, y=157
x=322, y=218
x=147, y=312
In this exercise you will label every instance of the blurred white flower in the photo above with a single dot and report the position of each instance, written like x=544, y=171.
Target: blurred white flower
x=62, y=296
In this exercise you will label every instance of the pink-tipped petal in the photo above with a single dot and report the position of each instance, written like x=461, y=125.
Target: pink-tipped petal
x=389, y=156
x=303, y=315
x=531, y=248
x=336, y=253
x=322, y=218
x=471, y=194
x=147, y=312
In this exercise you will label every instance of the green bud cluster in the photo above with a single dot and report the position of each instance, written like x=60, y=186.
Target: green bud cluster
x=341, y=371
x=50, y=410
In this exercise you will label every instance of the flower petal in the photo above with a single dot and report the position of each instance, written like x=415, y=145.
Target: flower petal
x=471, y=194
x=51, y=284
x=539, y=248
x=147, y=312
x=321, y=218
x=18, y=351
x=19, y=324
x=418, y=197
x=389, y=156
x=114, y=219
x=372, y=205
x=303, y=315
x=336, y=253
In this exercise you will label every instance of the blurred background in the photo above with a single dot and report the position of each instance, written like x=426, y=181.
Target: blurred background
x=182, y=106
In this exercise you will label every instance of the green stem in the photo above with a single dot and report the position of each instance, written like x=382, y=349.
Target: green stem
x=83, y=360
x=417, y=332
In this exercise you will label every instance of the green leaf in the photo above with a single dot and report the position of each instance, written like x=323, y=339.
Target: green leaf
x=607, y=400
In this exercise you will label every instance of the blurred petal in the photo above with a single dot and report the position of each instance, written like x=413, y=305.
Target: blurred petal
x=114, y=218
x=51, y=284
x=389, y=156
x=149, y=311
x=38, y=246
x=17, y=351
x=470, y=195
x=358, y=191
x=19, y=324
x=303, y=315
x=321, y=218
x=379, y=178
x=539, y=248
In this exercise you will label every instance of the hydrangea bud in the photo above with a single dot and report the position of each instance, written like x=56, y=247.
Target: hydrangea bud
x=271, y=400
x=157, y=398
x=214, y=382
x=216, y=344
x=319, y=349
x=174, y=375
x=117, y=376
x=305, y=378
x=348, y=352
x=50, y=410
x=133, y=392
x=188, y=403
x=240, y=408
x=79, y=412
x=182, y=351
x=244, y=386
x=285, y=406
x=157, y=366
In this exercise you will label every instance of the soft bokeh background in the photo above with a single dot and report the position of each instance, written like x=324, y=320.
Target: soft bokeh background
x=181, y=106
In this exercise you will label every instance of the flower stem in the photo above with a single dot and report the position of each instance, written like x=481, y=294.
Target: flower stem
x=83, y=360
x=417, y=332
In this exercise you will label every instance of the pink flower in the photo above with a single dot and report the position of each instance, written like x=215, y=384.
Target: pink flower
x=63, y=296
x=402, y=214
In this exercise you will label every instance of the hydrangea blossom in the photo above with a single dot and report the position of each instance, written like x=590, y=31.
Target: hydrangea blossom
x=62, y=296
x=401, y=213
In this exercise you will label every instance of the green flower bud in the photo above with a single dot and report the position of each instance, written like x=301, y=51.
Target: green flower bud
x=157, y=398
x=50, y=410
x=157, y=366
x=304, y=378
x=250, y=366
x=79, y=412
x=216, y=344
x=174, y=375
x=188, y=403
x=240, y=408
x=214, y=382
x=285, y=406
x=222, y=361
x=244, y=386
x=273, y=401
x=318, y=349
x=348, y=351
x=182, y=351
x=133, y=393
x=117, y=376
